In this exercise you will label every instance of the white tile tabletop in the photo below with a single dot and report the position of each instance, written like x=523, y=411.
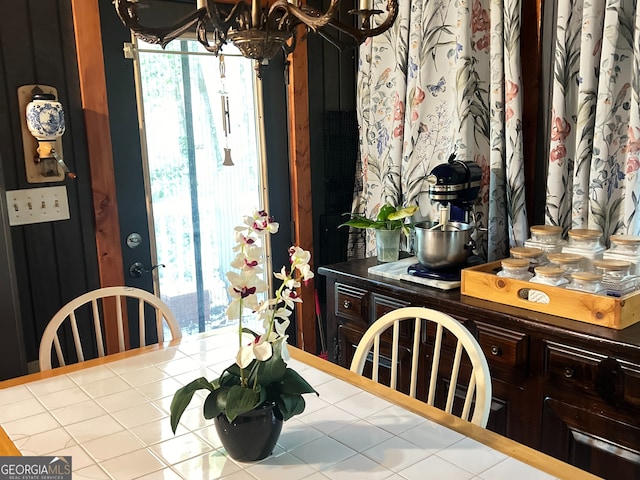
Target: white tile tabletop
x=113, y=420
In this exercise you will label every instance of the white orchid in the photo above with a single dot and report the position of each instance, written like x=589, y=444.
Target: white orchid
x=246, y=285
x=260, y=350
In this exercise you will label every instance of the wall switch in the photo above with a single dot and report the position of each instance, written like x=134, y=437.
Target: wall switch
x=36, y=205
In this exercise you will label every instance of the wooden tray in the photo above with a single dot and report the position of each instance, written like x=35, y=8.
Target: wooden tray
x=482, y=282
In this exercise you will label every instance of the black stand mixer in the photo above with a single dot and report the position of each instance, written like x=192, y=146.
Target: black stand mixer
x=455, y=185
x=443, y=249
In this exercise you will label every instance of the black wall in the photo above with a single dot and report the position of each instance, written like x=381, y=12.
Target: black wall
x=55, y=261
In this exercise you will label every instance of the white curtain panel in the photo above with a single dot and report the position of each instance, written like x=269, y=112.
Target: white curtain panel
x=595, y=119
x=446, y=77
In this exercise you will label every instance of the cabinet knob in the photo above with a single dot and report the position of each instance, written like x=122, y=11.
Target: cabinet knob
x=346, y=304
x=496, y=350
x=568, y=372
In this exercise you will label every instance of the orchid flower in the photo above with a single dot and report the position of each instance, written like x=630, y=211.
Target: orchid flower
x=260, y=350
x=246, y=285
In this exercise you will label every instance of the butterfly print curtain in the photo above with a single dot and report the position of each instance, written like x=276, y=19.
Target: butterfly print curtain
x=594, y=139
x=445, y=78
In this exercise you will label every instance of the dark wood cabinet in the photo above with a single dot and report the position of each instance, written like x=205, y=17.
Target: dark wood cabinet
x=567, y=388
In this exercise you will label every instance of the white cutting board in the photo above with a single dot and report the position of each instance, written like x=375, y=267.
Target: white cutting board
x=398, y=271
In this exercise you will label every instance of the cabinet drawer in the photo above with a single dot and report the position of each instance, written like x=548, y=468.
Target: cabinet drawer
x=615, y=381
x=567, y=367
x=383, y=304
x=503, y=347
x=351, y=303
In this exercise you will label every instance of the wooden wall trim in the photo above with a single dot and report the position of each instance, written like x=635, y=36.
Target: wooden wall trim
x=93, y=90
x=300, y=174
x=531, y=51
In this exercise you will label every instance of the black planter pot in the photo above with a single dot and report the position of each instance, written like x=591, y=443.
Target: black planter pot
x=252, y=435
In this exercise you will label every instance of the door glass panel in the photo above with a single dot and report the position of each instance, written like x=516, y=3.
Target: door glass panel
x=196, y=201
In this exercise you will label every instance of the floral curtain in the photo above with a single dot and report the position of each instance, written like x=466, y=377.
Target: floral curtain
x=595, y=121
x=445, y=78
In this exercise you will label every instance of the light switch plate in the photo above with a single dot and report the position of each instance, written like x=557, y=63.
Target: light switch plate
x=36, y=205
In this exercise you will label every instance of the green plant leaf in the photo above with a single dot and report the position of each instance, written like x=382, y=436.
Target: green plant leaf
x=272, y=370
x=241, y=400
x=290, y=405
x=358, y=222
x=384, y=212
x=402, y=213
x=215, y=403
x=294, y=384
x=182, y=398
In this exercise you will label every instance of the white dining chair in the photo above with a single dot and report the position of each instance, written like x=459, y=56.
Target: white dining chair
x=478, y=386
x=88, y=308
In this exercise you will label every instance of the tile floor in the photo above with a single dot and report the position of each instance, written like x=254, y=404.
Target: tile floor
x=114, y=422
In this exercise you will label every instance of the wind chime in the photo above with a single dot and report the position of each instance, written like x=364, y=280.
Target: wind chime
x=226, y=123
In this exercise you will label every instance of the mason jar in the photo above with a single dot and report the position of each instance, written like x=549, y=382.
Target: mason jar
x=548, y=275
x=517, y=268
x=589, y=282
x=586, y=242
x=625, y=247
x=616, y=277
x=569, y=262
x=547, y=234
x=535, y=256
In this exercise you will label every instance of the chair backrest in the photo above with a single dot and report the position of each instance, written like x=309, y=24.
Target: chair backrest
x=478, y=385
x=96, y=300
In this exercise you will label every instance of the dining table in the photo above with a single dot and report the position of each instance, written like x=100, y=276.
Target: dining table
x=111, y=415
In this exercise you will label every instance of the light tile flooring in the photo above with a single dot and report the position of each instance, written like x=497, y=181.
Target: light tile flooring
x=114, y=422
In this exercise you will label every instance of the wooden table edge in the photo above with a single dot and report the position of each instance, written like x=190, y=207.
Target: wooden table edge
x=491, y=439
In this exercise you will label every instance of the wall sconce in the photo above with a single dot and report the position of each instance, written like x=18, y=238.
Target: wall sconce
x=42, y=124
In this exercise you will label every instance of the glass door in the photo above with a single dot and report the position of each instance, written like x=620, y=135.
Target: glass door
x=201, y=143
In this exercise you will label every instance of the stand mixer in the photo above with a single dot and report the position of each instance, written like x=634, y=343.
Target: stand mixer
x=455, y=184
x=443, y=249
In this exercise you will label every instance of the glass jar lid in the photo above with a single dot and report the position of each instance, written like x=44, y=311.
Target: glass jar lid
x=514, y=263
x=625, y=239
x=526, y=252
x=546, y=230
x=588, y=277
x=612, y=265
x=585, y=233
x=564, y=258
x=547, y=271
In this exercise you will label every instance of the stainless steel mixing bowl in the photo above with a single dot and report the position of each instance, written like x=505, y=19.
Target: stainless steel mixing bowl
x=439, y=249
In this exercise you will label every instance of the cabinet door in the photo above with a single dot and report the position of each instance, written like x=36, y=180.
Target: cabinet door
x=584, y=438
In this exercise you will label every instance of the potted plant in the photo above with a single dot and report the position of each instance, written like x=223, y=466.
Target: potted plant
x=257, y=392
x=388, y=224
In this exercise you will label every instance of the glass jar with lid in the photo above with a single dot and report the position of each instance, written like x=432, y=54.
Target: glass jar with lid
x=569, y=262
x=548, y=275
x=625, y=247
x=535, y=256
x=589, y=282
x=616, y=279
x=586, y=242
x=546, y=237
x=517, y=268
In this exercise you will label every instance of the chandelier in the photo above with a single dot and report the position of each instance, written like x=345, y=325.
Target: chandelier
x=259, y=29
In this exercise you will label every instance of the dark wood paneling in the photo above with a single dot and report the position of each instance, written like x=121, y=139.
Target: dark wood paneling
x=54, y=261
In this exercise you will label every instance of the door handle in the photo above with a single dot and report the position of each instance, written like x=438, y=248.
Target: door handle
x=136, y=270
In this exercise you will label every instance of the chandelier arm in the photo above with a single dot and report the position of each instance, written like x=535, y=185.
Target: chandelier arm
x=128, y=12
x=240, y=9
x=220, y=38
x=361, y=34
x=313, y=19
